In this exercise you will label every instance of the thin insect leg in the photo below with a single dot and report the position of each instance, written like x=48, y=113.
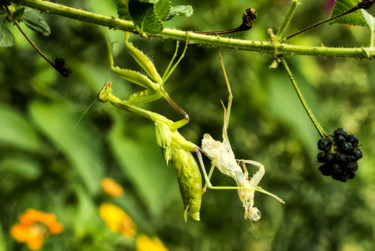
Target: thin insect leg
x=230, y=95
x=230, y=99
x=166, y=75
x=172, y=60
x=200, y=159
x=210, y=186
x=209, y=178
x=246, y=173
x=175, y=105
x=256, y=178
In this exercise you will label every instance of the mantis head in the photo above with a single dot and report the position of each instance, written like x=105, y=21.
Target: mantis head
x=106, y=91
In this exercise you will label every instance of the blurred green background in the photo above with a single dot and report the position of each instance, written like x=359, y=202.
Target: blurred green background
x=49, y=163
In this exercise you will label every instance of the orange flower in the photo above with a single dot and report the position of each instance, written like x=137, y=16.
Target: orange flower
x=117, y=220
x=145, y=243
x=110, y=187
x=34, y=227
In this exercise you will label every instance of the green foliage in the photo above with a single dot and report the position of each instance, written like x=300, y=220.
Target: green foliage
x=81, y=148
x=148, y=15
x=35, y=21
x=32, y=19
x=48, y=163
x=355, y=18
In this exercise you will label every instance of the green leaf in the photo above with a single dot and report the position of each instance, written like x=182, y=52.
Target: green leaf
x=16, y=131
x=6, y=37
x=162, y=9
x=180, y=10
x=34, y=21
x=80, y=144
x=144, y=17
x=354, y=18
x=123, y=9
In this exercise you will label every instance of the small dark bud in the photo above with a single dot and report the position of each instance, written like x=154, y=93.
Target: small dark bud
x=62, y=68
x=325, y=144
x=248, y=19
x=65, y=71
x=59, y=62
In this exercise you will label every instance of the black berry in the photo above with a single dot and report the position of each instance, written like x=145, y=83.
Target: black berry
x=326, y=170
x=352, y=139
x=340, y=131
x=325, y=144
x=356, y=154
x=339, y=154
x=341, y=158
x=352, y=166
x=321, y=157
x=345, y=147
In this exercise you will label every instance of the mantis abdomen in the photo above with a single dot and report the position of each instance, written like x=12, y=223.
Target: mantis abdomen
x=189, y=180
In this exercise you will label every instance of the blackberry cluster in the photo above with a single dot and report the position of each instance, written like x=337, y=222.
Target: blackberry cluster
x=340, y=155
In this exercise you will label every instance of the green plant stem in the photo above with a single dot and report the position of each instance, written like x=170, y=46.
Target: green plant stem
x=206, y=40
x=301, y=98
x=287, y=19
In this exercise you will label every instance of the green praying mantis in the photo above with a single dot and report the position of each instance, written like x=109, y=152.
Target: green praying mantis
x=175, y=147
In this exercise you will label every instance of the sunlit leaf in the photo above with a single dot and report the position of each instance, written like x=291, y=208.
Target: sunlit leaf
x=354, y=18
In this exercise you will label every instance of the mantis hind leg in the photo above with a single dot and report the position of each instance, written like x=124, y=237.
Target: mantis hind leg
x=227, y=109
